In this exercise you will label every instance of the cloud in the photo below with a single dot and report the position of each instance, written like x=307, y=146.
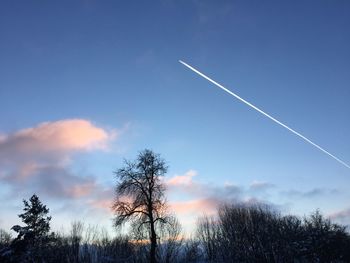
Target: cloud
x=2, y=137
x=201, y=198
x=53, y=139
x=182, y=180
x=342, y=216
x=260, y=186
x=36, y=159
x=313, y=193
x=50, y=181
x=102, y=203
x=198, y=198
x=51, y=143
x=185, y=183
x=105, y=204
x=195, y=206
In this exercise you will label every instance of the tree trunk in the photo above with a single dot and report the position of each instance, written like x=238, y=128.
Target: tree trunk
x=153, y=243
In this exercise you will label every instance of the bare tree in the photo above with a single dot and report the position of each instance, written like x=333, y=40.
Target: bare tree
x=76, y=234
x=171, y=240
x=5, y=237
x=140, y=196
x=208, y=231
x=192, y=251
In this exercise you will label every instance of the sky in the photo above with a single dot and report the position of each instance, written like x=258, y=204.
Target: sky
x=87, y=84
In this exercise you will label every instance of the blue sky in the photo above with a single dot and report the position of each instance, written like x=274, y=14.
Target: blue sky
x=114, y=66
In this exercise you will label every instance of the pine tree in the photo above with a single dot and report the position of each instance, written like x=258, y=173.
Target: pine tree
x=35, y=217
x=32, y=238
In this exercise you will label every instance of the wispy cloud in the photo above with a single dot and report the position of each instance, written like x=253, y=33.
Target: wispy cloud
x=342, y=216
x=312, y=193
x=194, y=198
x=260, y=186
x=103, y=201
x=199, y=198
x=195, y=207
x=51, y=181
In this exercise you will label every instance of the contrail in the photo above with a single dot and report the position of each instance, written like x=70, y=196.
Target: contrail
x=264, y=113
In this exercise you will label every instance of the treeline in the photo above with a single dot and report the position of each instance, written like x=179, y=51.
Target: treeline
x=35, y=243
x=257, y=233
x=89, y=244
x=237, y=233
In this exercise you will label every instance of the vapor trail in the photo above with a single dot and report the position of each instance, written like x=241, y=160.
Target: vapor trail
x=264, y=113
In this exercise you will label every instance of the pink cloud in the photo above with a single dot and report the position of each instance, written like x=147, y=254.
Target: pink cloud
x=26, y=170
x=195, y=206
x=58, y=136
x=342, y=216
x=35, y=159
x=103, y=204
x=205, y=198
x=182, y=180
x=187, y=186
x=82, y=189
x=2, y=137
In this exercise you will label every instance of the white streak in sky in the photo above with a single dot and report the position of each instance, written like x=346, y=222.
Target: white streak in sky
x=264, y=113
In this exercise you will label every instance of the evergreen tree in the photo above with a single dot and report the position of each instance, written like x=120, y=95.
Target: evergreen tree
x=35, y=217
x=32, y=238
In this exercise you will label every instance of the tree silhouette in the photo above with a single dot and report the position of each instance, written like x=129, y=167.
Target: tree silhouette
x=259, y=233
x=33, y=237
x=140, y=196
